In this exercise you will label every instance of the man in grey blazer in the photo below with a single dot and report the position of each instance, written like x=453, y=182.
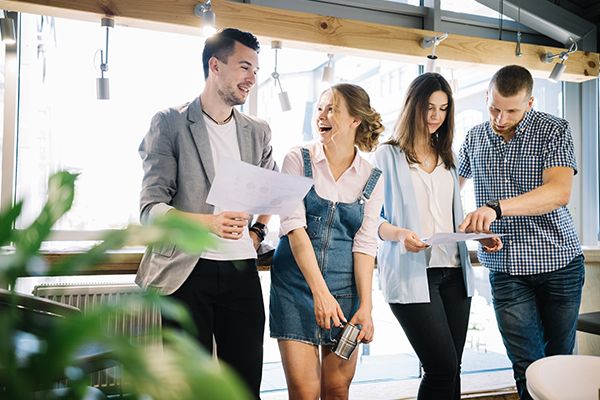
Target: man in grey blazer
x=220, y=287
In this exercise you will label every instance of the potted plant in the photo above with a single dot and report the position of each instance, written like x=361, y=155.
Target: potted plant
x=46, y=355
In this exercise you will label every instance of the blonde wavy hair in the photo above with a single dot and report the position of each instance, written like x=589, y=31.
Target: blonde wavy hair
x=359, y=106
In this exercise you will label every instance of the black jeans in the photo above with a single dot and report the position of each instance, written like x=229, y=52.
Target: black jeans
x=437, y=331
x=225, y=300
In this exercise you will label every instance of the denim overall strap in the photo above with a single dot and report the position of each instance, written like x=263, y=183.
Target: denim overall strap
x=371, y=182
x=307, y=165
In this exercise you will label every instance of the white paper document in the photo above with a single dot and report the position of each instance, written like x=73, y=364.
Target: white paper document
x=451, y=237
x=239, y=186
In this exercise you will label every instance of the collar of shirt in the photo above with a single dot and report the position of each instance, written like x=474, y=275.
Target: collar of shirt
x=319, y=156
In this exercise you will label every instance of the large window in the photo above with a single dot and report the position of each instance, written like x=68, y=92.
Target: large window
x=63, y=126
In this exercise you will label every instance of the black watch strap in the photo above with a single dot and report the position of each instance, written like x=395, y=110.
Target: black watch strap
x=260, y=230
x=259, y=225
x=495, y=205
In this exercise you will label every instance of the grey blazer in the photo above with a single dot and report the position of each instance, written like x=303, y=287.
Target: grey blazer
x=179, y=170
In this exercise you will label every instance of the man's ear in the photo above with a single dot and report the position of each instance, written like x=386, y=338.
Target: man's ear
x=530, y=103
x=213, y=65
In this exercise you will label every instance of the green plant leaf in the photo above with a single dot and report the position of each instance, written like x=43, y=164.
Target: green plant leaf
x=168, y=229
x=36, y=352
x=7, y=220
x=61, y=191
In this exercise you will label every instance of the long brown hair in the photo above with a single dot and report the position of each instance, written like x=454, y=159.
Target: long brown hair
x=412, y=121
x=359, y=106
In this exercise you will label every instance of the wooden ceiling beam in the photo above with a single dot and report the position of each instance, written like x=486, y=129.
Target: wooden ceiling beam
x=323, y=33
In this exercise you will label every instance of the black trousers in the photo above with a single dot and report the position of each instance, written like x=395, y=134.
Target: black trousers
x=225, y=300
x=437, y=331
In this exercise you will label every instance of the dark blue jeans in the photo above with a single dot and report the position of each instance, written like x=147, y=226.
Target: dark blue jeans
x=437, y=331
x=537, y=314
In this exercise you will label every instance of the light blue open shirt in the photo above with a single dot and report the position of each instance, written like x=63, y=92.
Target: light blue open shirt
x=402, y=274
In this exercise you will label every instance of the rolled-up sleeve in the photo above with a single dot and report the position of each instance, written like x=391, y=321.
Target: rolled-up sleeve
x=160, y=167
x=366, y=239
x=293, y=165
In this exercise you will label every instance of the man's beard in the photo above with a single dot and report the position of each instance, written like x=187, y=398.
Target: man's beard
x=506, y=130
x=229, y=97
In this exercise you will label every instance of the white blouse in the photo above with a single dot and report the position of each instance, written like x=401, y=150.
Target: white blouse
x=434, y=193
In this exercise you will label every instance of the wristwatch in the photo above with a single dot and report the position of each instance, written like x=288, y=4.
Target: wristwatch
x=260, y=229
x=495, y=205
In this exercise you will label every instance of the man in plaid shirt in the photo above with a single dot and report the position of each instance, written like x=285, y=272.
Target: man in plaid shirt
x=522, y=163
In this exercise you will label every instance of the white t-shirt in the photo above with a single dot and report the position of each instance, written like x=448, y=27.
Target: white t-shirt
x=434, y=193
x=223, y=143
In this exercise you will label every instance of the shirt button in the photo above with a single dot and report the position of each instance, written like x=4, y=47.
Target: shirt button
x=510, y=242
x=506, y=180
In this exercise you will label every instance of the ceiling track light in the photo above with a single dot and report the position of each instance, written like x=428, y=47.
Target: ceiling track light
x=328, y=71
x=207, y=18
x=518, y=51
x=284, y=98
x=559, y=68
x=102, y=83
x=7, y=28
x=432, y=42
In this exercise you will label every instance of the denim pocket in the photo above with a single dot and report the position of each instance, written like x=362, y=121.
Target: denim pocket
x=313, y=225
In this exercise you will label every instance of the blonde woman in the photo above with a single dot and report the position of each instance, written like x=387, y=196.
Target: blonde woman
x=323, y=266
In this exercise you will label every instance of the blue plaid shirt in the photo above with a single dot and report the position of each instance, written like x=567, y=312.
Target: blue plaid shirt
x=534, y=244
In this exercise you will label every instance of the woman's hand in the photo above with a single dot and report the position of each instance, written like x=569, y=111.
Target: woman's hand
x=410, y=240
x=491, y=245
x=327, y=309
x=364, y=319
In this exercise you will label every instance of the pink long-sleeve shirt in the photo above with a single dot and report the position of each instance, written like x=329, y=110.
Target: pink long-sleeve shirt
x=346, y=189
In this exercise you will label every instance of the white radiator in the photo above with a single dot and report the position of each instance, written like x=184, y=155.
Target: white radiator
x=136, y=325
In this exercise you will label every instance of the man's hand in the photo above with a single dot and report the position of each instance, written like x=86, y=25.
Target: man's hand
x=229, y=224
x=491, y=245
x=478, y=221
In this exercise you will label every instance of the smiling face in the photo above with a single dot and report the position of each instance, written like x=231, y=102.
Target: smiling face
x=436, y=110
x=333, y=120
x=237, y=75
x=507, y=112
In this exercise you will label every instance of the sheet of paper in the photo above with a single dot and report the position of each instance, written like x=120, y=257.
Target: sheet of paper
x=451, y=237
x=239, y=186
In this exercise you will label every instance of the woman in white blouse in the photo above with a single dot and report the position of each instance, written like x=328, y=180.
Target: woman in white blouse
x=322, y=269
x=429, y=289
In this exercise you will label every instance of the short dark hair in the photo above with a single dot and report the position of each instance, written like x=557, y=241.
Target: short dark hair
x=510, y=80
x=220, y=45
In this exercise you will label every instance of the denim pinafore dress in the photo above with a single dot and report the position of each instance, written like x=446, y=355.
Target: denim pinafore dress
x=331, y=227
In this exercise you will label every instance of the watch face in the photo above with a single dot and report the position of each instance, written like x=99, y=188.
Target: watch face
x=493, y=203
